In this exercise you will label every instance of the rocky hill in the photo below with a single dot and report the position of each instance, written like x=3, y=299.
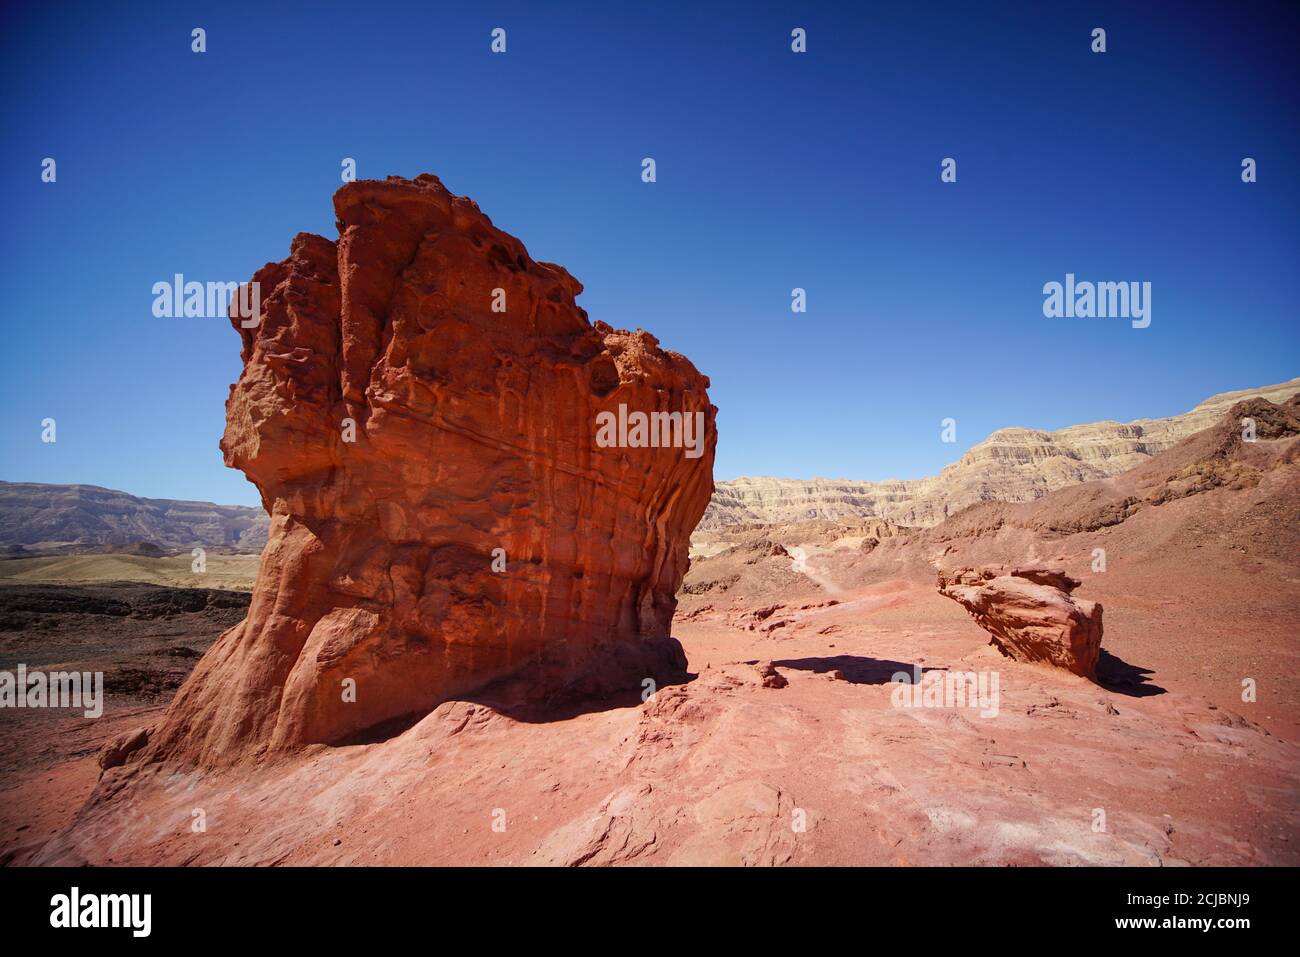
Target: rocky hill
x=40, y=519
x=1011, y=465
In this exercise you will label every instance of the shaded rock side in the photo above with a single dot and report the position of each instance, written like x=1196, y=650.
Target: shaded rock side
x=1030, y=614
x=401, y=432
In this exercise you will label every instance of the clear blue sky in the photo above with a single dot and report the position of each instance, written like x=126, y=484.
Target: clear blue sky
x=775, y=170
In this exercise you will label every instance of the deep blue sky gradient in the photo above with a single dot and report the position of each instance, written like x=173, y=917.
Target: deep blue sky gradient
x=775, y=170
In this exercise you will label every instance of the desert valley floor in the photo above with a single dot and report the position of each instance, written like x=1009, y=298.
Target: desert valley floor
x=1200, y=592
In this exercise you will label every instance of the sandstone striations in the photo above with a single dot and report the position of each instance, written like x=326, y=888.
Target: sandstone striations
x=1030, y=614
x=1216, y=458
x=1011, y=465
x=441, y=516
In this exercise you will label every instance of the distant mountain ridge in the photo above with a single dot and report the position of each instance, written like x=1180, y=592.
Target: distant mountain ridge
x=1011, y=465
x=52, y=519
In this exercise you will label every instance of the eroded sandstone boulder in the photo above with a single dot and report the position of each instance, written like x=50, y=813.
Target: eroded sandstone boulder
x=1030, y=613
x=116, y=751
x=418, y=408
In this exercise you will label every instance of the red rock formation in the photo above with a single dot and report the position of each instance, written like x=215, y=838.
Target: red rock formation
x=471, y=430
x=120, y=747
x=1030, y=614
x=769, y=677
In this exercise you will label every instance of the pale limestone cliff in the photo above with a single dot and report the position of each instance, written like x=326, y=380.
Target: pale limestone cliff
x=1011, y=465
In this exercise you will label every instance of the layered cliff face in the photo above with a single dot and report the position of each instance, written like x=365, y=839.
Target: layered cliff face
x=420, y=407
x=1011, y=465
x=53, y=519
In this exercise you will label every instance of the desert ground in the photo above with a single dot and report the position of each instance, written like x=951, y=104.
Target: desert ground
x=787, y=745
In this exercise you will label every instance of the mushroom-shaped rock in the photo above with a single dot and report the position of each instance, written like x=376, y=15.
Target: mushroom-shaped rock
x=421, y=407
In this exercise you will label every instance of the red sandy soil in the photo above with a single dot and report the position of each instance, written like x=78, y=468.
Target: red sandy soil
x=51, y=767
x=143, y=637
x=1201, y=590
x=713, y=772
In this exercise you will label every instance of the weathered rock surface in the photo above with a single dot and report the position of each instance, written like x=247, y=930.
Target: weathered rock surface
x=121, y=747
x=401, y=432
x=1030, y=614
x=1011, y=465
x=769, y=677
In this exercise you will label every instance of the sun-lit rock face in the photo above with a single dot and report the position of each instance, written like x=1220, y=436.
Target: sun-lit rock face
x=1030, y=614
x=1011, y=465
x=419, y=408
